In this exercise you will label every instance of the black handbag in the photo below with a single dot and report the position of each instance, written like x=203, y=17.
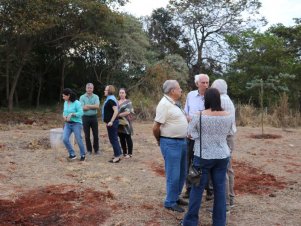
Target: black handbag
x=194, y=175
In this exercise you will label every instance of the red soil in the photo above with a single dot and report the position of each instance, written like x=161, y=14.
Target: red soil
x=57, y=205
x=249, y=180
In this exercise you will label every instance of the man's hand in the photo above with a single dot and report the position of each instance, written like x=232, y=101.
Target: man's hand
x=156, y=131
x=86, y=108
x=188, y=118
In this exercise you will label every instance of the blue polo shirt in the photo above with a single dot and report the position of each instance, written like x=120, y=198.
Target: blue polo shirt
x=85, y=99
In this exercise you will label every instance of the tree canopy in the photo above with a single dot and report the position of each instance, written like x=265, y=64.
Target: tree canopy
x=51, y=44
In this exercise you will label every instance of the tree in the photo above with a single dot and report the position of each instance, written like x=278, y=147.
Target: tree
x=203, y=26
x=63, y=26
x=259, y=57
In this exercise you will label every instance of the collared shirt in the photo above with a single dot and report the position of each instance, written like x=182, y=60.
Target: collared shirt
x=85, y=99
x=172, y=118
x=228, y=105
x=194, y=103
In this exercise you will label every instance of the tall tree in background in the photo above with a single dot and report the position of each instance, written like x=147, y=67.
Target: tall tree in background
x=292, y=42
x=64, y=26
x=260, y=58
x=199, y=27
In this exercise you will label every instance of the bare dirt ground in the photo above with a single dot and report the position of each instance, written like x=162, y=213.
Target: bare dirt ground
x=38, y=186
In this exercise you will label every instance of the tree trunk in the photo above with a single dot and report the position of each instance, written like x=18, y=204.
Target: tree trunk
x=14, y=85
x=17, y=76
x=39, y=91
x=7, y=76
x=62, y=80
x=16, y=98
x=30, y=94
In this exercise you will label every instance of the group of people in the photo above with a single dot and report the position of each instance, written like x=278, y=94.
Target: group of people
x=82, y=114
x=201, y=134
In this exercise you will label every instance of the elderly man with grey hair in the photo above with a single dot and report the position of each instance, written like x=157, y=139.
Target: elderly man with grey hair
x=195, y=104
x=170, y=131
x=228, y=105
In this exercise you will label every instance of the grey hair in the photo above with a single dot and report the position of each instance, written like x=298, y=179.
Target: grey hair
x=168, y=85
x=196, y=78
x=199, y=76
x=220, y=85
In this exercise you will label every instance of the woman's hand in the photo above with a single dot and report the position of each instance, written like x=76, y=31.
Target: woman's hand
x=69, y=117
x=110, y=124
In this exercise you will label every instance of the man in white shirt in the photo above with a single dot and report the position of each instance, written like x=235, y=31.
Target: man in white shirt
x=228, y=105
x=194, y=104
x=170, y=131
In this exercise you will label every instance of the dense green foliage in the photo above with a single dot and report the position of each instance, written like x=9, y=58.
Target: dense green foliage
x=51, y=44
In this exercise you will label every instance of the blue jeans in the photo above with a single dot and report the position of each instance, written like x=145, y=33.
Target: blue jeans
x=76, y=128
x=113, y=137
x=218, y=169
x=174, y=154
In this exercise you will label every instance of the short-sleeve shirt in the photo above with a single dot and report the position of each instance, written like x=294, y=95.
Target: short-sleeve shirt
x=172, y=119
x=85, y=99
x=194, y=103
x=108, y=110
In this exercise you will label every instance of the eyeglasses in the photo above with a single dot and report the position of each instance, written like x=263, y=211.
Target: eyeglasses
x=205, y=82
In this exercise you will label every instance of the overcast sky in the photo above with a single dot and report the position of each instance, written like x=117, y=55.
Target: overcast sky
x=275, y=11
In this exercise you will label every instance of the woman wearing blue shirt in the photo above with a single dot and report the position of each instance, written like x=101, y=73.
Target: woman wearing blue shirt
x=72, y=115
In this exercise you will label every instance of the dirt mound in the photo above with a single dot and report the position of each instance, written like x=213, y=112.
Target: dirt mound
x=249, y=180
x=57, y=205
x=265, y=136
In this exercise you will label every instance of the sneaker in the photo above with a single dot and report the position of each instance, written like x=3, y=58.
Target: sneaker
x=127, y=156
x=176, y=208
x=82, y=158
x=182, y=202
x=72, y=157
x=97, y=153
x=89, y=152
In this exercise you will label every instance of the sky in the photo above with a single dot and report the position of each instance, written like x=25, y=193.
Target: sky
x=275, y=11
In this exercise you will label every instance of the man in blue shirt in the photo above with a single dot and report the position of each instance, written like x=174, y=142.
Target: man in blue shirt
x=90, y=104
x=194, y=104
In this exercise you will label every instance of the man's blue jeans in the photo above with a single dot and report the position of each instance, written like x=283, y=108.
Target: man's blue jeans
x=113, y=137
x=218, y=169
x=76, y=128
x=174, y=154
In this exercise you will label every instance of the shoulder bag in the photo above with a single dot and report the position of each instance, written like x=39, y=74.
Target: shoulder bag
x=194, y=175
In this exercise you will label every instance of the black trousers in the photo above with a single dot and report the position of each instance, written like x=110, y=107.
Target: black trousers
x=126, y=143
x=190, y=154
x=91, y=122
